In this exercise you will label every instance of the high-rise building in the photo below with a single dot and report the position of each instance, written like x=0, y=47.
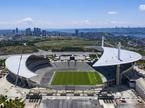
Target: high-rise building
x=37, y=32
x=13, y=32
x=44, y=32
x=28, y=32
x=76, y=32
x=16, y=31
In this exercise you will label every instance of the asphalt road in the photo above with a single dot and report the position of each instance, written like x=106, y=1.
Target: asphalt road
x=41, y=52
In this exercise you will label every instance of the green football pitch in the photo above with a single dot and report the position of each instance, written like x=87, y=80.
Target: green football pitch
x=76, y=78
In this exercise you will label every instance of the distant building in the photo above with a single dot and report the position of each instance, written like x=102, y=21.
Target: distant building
x=76, y=32
x=13, y=32
x=17, y=31
x=28, y=32
x=37, y=32
x=44, y=32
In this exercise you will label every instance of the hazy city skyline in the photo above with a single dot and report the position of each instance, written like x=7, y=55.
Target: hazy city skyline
x=71, y=13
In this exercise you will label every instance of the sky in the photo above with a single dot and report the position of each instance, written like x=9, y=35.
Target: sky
x=71, y=13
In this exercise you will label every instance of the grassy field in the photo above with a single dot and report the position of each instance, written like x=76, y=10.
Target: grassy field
x=76, y=78
x=17, y=49
x=65, y=45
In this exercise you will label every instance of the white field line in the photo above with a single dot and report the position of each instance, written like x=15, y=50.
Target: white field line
x=51, y=78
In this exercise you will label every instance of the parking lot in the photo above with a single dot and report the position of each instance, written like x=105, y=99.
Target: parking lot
x=68, y=103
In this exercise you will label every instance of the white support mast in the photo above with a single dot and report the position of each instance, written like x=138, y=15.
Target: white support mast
x=119, y=48
x=118, y=79
x=17, y=77
x=102, y=41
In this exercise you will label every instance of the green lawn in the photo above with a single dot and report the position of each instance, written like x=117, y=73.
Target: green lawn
x=76, y=78
x=65, y=45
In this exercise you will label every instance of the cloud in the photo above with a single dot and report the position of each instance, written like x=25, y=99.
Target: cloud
x=87, y=22
x=142, y=7
x=82, y=22
x=26, y=21
x=30, y=22
x=112, y=12
x=116, y=22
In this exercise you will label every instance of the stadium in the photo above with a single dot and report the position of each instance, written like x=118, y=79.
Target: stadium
x=71, y=71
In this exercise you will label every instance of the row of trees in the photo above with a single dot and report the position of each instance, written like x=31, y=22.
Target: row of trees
x=2, y=62
x=11, y=103
x=141, y=64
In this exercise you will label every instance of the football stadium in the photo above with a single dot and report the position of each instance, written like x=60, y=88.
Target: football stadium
x=71, y=70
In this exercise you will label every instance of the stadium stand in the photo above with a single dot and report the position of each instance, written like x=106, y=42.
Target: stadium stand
x=36, y=62
x=107, y=71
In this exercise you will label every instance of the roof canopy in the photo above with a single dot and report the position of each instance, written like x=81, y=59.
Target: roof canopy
x=110, y=57
x=12, y=64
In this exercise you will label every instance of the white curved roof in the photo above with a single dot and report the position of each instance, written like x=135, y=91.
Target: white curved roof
x=110, y=57
x=12, y=64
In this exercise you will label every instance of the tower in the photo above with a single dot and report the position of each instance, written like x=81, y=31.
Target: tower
x=76, y=32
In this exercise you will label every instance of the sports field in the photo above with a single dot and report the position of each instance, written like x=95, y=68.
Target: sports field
x=76, y=78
